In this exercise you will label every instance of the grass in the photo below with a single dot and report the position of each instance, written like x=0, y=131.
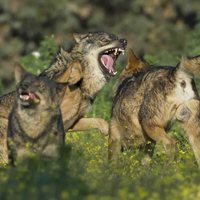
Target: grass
x=82, y=172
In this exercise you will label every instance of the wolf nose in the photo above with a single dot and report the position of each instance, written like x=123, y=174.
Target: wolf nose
x=123, y=41
x=23, y=87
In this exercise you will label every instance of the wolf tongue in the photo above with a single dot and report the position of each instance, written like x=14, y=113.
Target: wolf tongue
x=108, y=62
x=32, y=96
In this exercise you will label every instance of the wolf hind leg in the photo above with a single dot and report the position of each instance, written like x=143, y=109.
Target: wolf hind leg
x=158, y=134
x=148, y=149
x=114, y=141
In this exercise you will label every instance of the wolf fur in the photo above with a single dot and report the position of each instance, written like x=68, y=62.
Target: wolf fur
x=146, y=104
x=35, y=122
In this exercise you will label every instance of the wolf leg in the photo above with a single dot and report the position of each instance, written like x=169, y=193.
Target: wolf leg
x=148, y=150
x=3, y=142
x=3, y=151
x=114, y=141
x=192, y=127
x=158, y=134
x=91, y=123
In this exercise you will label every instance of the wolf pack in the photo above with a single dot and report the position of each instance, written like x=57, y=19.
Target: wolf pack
x=147, y=100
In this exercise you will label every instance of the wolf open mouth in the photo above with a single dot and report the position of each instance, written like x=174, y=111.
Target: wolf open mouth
x=28, y=98
x=108, y=59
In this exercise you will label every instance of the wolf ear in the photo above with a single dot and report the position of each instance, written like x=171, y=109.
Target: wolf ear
x=65, y=54
x=19, y=72
x=190, y=64
x=78, y=37
x=72, y=75
x=76, y=73
x=133, y=60
x=135, y=64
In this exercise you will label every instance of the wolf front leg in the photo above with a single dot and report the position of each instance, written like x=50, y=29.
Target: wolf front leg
x=56, y=139
x=85, y=124
x=3, y=141
x=192, y=127
x=114, y=141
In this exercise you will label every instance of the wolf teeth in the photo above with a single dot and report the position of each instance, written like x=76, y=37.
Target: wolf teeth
x=114, y=73
x=122, y=50
x=116, y=51
x=24, y=97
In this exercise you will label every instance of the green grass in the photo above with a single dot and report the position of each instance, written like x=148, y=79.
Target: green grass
x=83, y=172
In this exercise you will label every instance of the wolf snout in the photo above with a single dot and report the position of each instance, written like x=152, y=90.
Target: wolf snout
x=123, y=41
x=23, y=90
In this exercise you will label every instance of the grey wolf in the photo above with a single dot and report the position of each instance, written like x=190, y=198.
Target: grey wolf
x=146, y=104
x=35, y=122
x=96, y=55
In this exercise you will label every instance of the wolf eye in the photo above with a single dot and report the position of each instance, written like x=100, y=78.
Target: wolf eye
x=104, y=40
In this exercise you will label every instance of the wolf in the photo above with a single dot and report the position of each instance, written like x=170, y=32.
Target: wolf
x=35, y=122
x=71, y=76
x=147, y=103
x=96, y=53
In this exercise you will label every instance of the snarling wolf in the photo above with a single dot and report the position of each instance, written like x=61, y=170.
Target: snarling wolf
x=86, y=69
x=96, y=54
x=35, y=122
x=7, y=101
x=147, y=102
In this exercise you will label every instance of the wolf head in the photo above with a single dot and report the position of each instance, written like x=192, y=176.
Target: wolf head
x=35, y=91
x=100, y=50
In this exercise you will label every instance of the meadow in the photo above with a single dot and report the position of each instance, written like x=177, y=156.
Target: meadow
x=82, y=170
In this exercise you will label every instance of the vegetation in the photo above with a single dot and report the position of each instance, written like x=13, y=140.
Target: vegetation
x=82, y=172
x=162, y=32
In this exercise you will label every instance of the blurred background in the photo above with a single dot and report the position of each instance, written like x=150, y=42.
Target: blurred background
x=159, y=30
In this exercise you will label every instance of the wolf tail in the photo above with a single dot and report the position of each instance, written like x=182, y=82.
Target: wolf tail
x=190, y=64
